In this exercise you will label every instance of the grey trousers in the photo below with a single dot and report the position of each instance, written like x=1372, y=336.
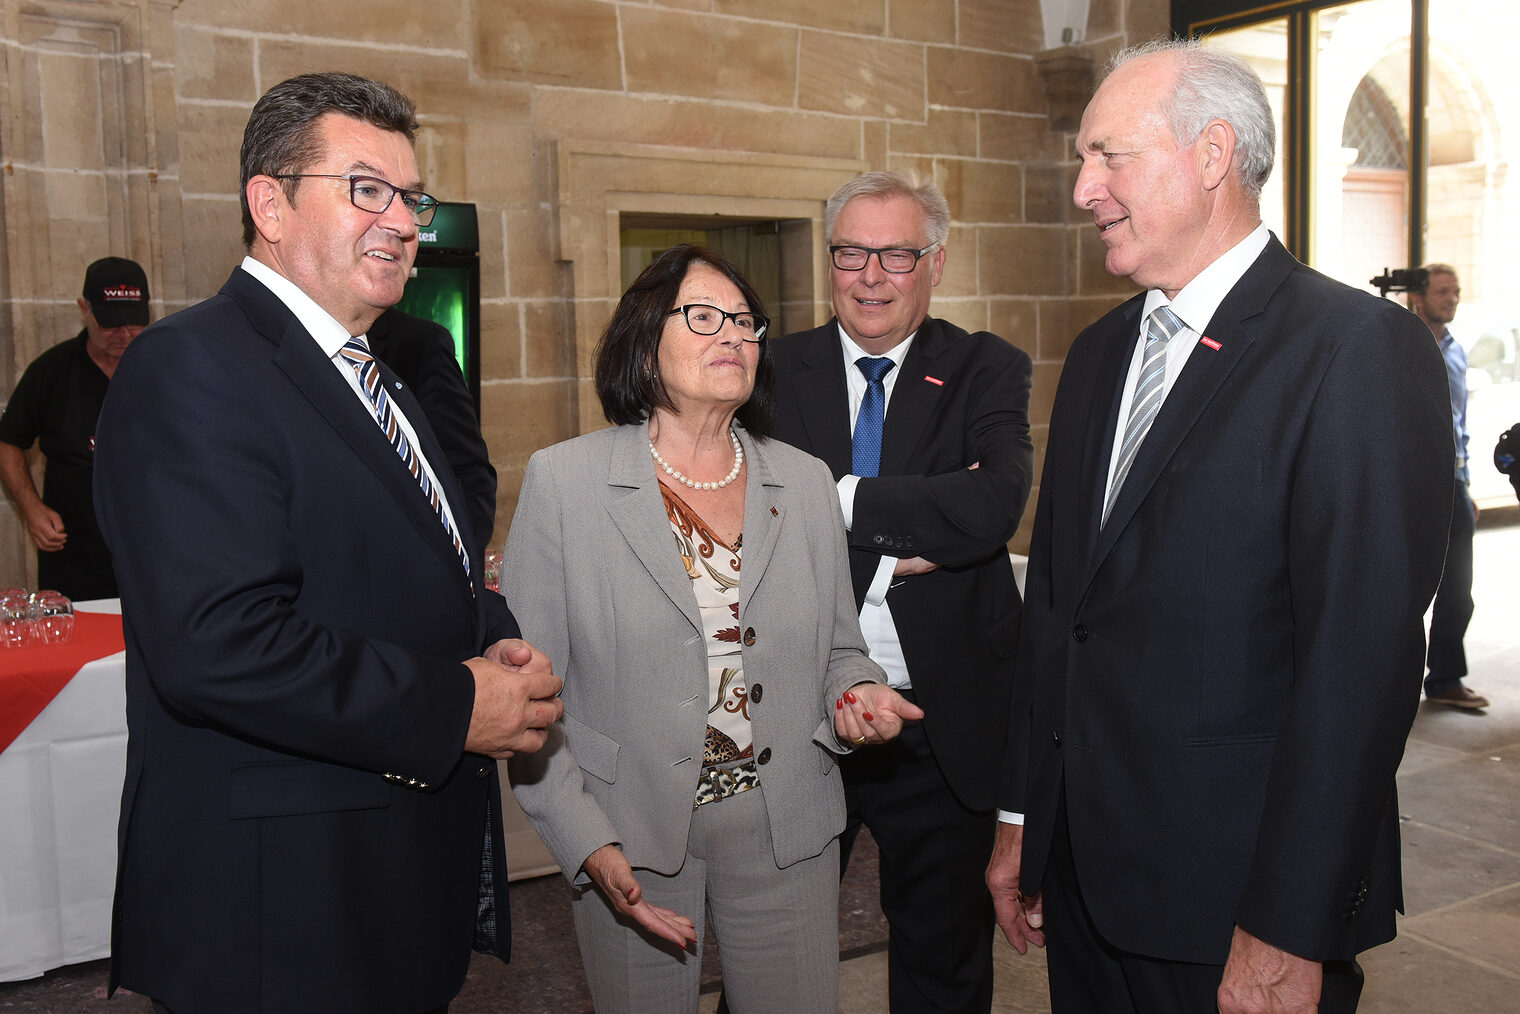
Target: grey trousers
x=777, y=930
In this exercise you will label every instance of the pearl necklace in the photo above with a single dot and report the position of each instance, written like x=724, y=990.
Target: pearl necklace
x=678, y=477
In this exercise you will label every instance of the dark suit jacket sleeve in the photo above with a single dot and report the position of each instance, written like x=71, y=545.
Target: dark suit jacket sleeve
x=421, y=353
x=1367, y=536
x=193, y=486
x=961, y=515
x=1014, y=777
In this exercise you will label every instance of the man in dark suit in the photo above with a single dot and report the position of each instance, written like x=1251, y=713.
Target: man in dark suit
x=317, y=679
x=932, y=482
x=1235, y=541
x=421, y=354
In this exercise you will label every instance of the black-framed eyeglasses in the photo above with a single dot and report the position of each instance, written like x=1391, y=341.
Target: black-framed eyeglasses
x=704, y=319
x=897, y=260
x=375, y=195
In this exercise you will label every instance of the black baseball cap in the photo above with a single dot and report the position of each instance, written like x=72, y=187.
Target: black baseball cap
x=117, y=291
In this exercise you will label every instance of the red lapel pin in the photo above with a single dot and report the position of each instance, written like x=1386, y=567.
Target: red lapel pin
x=934, y=380
x=1211, y=343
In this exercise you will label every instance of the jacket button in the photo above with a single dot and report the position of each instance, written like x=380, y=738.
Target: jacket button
x=483, y=772
x=755, y=692
x=749, y=637
x=765, y=756
x=1055, y=736
x=878, y=538
x=1079, y=633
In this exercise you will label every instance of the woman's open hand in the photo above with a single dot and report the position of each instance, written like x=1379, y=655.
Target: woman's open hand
x=609, y=868
x=872, y=713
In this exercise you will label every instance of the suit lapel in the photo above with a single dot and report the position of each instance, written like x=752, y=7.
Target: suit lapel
x=638, y=510
x=913, y=399
x=1103, y=418
x=300, y=358
x=824, y=397
x=763, y=516
x=402, y=396
x=1203, y=375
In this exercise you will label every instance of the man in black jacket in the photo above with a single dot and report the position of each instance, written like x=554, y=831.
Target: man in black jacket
x=933, y=460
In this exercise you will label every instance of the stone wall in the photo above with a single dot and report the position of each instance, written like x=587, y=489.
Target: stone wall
x=122, y=121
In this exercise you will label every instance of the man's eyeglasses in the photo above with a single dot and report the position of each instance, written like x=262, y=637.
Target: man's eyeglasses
x=375, y=195
x=897, y=260
x=704, y=319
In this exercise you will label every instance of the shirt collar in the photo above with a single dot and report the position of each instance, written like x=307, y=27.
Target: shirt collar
x=852, y=351
x=1198, y=300
x=330, y=336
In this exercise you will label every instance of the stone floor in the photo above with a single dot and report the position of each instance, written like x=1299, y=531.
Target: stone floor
x=1458, y=948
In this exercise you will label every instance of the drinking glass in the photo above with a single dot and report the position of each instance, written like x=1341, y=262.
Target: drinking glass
x=55, y=617
x=16, y=627
x=493, y=570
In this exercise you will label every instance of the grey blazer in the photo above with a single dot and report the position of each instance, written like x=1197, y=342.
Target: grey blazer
x=595, y=580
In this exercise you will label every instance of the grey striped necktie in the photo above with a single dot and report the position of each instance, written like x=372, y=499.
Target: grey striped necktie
x=1160, y=327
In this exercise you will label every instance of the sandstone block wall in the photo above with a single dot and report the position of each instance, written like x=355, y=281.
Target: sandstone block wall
x=122, y=121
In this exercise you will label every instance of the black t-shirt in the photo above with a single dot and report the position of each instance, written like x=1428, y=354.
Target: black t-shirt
x=56, y=404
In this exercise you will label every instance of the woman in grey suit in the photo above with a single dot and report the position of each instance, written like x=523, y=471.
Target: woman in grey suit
x=688, y=577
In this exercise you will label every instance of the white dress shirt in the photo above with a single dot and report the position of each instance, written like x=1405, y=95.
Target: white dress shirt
x=875, y=616
x=1194, y=306
x=330, y=337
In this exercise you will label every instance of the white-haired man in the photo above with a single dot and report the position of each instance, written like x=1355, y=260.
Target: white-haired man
x=1235, y=542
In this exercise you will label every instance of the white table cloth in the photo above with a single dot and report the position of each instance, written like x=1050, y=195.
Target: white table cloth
x=60, y=796
x=60, y=793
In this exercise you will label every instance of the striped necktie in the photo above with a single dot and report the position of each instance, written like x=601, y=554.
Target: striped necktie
x=356, y=353
x=1161, y=327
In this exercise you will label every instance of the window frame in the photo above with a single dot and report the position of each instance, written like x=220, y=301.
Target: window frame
x=1201, y=17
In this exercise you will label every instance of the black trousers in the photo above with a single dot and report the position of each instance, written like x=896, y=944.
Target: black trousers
x=934, y=854
x=1453, y=607
x=1089, y=975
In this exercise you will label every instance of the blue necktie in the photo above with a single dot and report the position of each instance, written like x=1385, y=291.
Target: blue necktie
x=866, y=444
x=356, y=353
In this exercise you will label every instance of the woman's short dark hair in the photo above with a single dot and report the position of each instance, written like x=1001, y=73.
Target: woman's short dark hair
x=628, y=380
x=281, y=135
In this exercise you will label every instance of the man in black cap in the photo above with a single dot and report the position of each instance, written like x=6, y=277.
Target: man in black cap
x=56, y=404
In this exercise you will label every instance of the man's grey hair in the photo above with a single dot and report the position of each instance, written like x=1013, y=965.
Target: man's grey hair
x=887, y=183
x=1215, y=85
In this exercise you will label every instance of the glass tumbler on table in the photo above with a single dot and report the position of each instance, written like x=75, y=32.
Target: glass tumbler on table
x=16, y=627
x=55, y=617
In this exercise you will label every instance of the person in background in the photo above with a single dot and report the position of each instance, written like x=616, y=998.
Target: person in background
x=933, y=464
x=1236, y=538
x=688, y=576
x=55, y=406
x=1445, y=658
x=421, y=353
x=317, y=683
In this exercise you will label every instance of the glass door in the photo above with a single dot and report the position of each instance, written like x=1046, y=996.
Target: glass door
x=1396, y=120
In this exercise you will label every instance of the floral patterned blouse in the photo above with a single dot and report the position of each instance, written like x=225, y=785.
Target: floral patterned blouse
x=728, y=764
